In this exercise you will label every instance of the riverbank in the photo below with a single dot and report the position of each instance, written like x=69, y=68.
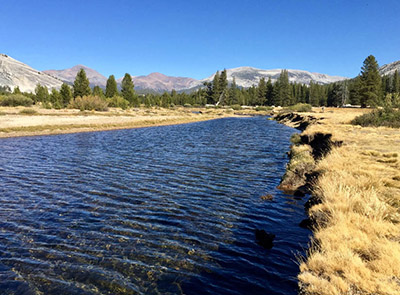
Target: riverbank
x=21, y=121
x=354, y=210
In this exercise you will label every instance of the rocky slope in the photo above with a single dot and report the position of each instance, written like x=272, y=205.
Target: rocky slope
x=248, y=76
x=68, y=75
x=15, y=73
x=159, y=82
x=389, y=69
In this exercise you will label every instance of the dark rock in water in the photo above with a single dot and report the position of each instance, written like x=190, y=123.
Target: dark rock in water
x=307, y=223
x=264, y=239
x=267, y=197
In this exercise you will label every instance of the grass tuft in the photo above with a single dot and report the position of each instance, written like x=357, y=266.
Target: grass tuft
x=28, y=112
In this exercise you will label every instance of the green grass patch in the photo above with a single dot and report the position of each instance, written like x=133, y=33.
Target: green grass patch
x=382, y=117
x=300, y=108
x=28, y=112
x=236, y=107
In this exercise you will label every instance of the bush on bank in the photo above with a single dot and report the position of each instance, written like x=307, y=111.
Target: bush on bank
x=387, y=117
x=13, y=100
x=300, y=107
x=88, y=103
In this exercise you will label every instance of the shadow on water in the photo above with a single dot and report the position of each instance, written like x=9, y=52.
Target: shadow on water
x=165, y=210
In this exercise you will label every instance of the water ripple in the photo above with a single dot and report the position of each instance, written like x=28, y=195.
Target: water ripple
x=165, y=210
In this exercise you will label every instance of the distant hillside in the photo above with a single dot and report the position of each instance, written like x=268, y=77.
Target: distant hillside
x=68, y=75
x=15, y=73
x=248, y=76
x=389, y=69
x=159, y=82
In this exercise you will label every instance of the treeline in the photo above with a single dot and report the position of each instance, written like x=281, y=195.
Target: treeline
x=367, y=89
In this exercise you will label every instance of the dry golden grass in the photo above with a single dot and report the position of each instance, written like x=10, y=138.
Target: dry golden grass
x=44, y=121
x=357, y=249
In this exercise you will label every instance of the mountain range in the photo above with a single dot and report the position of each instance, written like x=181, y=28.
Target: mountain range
x=15, y=73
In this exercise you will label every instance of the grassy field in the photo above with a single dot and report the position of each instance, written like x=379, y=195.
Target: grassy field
x=23, y=121
x=356, y=245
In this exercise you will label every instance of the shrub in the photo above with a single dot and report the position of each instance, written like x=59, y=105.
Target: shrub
x=88, y=102
x=118, y=102
x=28, y=112
x=263, y=108
x=300, y=107
x=13, y=100
x=236, y=107
x=381, y=117
x=187, y=105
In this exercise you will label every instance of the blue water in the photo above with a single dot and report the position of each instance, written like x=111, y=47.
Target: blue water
x=161, y=210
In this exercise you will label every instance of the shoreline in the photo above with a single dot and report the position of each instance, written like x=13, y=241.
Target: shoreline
x=351, y=174
x=14, y=123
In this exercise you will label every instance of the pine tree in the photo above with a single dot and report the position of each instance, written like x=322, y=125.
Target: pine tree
x=127, y=90
x=81, y=84
x=314, y=94
x=97, y=91
x=216, y=91
x=370, y=93
x=284, y=88
x=233, y=93
x=17, y=90
x=55, y=99
x=262, y=92
x=354, y=91
x=111, y=87
x=270, y=89
x=396, y=82
x=223, y=81
x=66, y=94
x=42, y=93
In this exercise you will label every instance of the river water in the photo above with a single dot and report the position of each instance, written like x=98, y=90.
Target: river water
x=160, y=210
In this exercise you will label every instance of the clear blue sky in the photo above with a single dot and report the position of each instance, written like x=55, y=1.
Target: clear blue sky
x=196, y=38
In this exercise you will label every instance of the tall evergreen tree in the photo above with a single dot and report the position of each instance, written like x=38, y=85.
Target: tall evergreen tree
x=396, y=82
x=127, y=90
x=55, y=99
x=81, y=84
x=233, y=93
x=66, y=94
x=262, y=92
x=284, y=88
x=354, y=91
x=223, y=81
x=42, y=94
x=370, y=93
x=111, y=87
x=97, y=91
x=270, y=89
x=216, y=91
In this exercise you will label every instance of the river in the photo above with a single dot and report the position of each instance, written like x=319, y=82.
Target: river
x=160, y=210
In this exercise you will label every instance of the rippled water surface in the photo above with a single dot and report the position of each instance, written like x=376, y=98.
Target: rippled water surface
x=163, y=210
